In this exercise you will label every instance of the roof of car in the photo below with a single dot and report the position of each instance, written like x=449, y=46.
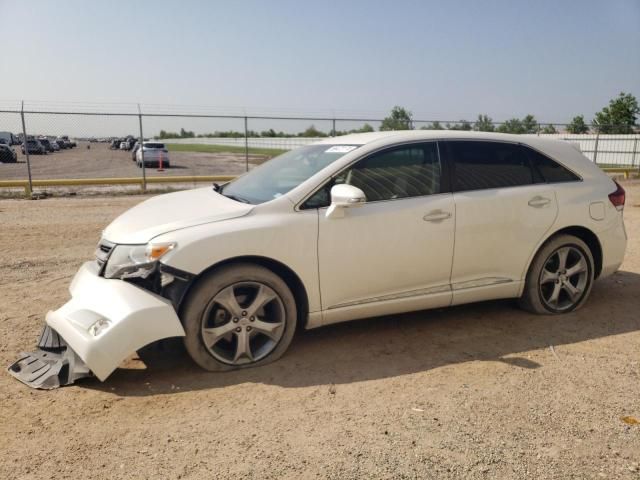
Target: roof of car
x=569, y=153
x=401, y=135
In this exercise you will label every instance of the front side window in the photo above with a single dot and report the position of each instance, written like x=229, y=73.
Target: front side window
x=486, y=165
x=409, y=171
x=400, y=172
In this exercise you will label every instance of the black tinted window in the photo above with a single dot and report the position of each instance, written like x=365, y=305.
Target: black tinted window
x=484, y=165
x=403, y=172
x=551, y=172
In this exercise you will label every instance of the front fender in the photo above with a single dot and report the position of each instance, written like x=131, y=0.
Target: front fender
x=107, y=320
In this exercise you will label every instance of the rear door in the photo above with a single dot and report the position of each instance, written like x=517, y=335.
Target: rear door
x=501, y=216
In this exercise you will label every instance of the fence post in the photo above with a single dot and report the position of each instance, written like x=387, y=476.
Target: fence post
x=26, y=149
x=633, y=156
x=595, y=148
x=246, y=144
x=333, y=128
x=141, y=144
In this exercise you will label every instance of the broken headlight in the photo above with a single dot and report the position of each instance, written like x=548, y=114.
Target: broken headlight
x=135, y=261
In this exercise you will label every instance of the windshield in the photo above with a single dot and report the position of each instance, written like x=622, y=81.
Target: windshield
x=283, y=173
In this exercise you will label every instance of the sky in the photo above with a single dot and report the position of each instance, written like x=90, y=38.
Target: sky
x=445, y=60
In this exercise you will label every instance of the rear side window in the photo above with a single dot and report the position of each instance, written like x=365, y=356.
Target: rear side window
x=486, y=165
x=551, y=171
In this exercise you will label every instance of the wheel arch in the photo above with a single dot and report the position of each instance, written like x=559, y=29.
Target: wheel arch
x=584, y=234
x=291, y=278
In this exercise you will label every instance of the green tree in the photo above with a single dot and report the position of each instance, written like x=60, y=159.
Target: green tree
x=484, y=123
x=620, y=116
x=513, y=125
x=577, y=125
x=549, y=129
x=399, y=119
x=530, y=124
x=462, y=125
x=366, y=128
x=434, y=126
x=312, y=131
x=186, y=134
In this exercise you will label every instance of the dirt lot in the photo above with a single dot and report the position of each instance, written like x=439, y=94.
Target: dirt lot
x=468, y=392
x=101, y=162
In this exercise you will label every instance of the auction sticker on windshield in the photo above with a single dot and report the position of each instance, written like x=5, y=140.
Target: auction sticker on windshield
x=341, y=149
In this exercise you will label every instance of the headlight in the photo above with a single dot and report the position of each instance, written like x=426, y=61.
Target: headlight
x=135, y=261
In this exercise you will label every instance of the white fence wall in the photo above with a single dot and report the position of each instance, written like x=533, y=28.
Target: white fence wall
x=604, y=149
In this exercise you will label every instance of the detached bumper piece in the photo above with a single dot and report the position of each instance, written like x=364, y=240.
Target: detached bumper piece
x=54, y=364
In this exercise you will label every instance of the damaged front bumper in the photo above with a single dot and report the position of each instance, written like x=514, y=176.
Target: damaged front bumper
x=104, y=322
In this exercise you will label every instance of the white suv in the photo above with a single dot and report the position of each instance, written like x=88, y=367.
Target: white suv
x=351, y=227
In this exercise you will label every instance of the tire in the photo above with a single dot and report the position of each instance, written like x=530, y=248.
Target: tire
x=549, y=291
x=214, y=333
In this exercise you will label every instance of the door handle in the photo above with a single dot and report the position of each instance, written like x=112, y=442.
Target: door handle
x=539, y=202
x=436, y=216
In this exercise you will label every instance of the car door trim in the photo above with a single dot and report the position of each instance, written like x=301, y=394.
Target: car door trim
x=480, y=282
x=395, y=296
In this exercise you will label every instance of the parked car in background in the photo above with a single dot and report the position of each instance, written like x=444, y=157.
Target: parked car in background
x=54, y=145
x=134, y=150
x=70, y=143
x=9, y=138
x=7, y=154
x=46, y=144
x=33, y=146
x=348, y=228
x=153, y=153
x=61, y=143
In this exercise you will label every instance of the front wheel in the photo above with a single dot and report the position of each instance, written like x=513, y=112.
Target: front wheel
x=560, y=277
x=240, y=316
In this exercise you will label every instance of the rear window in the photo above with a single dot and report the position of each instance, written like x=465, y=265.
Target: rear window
x=551, y=171
x=154, y=145
x=486, y=165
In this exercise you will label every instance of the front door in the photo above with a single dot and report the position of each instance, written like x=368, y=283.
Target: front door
x=394, y=253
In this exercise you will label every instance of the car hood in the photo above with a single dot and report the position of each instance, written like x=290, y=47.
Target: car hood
x=172, y=211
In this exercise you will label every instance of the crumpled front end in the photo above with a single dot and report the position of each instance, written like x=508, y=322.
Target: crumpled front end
x=54, y=364
x=104, y=322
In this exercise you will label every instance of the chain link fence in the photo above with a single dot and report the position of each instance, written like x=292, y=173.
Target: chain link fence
x=96, y=150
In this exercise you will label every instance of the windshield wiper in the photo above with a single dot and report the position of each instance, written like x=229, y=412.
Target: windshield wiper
x=236, y=198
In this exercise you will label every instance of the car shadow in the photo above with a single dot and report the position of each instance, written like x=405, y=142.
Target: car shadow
x=396, y=345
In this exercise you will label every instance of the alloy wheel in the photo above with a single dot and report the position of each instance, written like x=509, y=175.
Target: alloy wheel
x=564, y=279
x=243, y=323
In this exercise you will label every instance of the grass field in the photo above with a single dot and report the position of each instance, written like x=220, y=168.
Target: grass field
x=187, y=147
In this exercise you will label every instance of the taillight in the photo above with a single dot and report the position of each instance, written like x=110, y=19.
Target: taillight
x=618, y=197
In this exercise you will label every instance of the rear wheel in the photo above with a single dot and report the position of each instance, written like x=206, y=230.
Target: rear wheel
x=240, y=316
x=560, y=277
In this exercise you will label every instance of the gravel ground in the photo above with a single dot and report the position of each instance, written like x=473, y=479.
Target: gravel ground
x=478, y=391
x=101, y=162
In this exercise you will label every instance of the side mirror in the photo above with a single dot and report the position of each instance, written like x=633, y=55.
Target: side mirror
x=344, y=196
